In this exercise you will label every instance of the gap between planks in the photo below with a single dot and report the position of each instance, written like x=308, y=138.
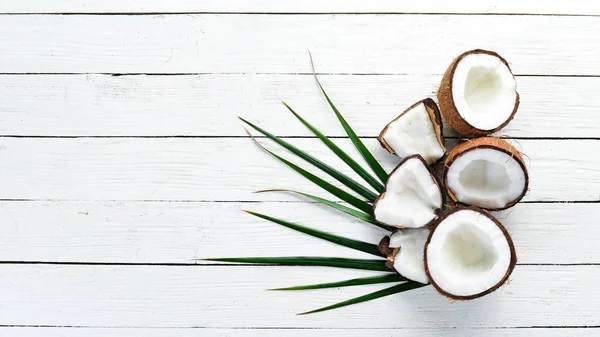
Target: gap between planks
x=264, y=137
x=259, y=201
x=290, y=13
x=293, y=328
x=254, y=265
x=268, y=73
x=327, y=7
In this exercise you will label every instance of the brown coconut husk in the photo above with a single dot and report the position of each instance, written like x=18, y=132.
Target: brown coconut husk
x=434, y=115
x=483, y=143
x=433, y=176
x=446, y=100
x=511, y=267
x=390, y=253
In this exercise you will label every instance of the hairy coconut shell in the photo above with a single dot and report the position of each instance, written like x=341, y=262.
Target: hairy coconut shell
x=511, y=245
x=434, y=116
x=433, y=176
x=446, y=99
x=485, y=143
x=390, y=253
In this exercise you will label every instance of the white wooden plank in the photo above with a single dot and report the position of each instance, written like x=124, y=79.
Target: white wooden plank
x=581, y=7
x=232, y=168
x=225, y=332
x=138, y=232
x=208, y=105
x=144, y=296
x=413, y=44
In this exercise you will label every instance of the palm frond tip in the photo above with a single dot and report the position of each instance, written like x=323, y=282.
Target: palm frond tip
x=373, y=163
x=340, y=153
x=371, y=296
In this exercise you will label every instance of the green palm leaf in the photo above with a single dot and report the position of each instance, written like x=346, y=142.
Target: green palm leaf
x=336, y=262
x=349, y=283
x=375, y=166
x=340, y=153
x=374, y=295
x=350, y=211
x=339, y=176
x=342, y=241
x=349, y=198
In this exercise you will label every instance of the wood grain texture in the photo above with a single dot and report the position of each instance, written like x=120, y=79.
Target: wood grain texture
x=208, y=105
x=214, y=296
x=187, y=169
x=579, y=7
x=228, y=332
x=175, y=232
x=78, y=214
x=407, y=44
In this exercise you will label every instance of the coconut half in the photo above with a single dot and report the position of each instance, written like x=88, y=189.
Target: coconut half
x=468, y=254
x=408, y=260
x=478, y=94
x=486, y=172
x=418, y=130
x=412, y=196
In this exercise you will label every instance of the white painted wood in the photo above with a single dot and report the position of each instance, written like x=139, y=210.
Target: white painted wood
x=208, y=105
x=211, y=332
x=242, y=65
x=174, y=232
x=235, y=297
x=580, y=7
x=413, y=44
x=232, y=168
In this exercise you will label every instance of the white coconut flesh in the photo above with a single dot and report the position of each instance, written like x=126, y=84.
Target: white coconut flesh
x=486, y=177
x=484, y=91
x=411, y=198
x=413, y=133
x=468, y=254
x=408, y=262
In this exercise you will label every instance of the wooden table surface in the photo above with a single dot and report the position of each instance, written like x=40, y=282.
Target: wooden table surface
x=122, y=160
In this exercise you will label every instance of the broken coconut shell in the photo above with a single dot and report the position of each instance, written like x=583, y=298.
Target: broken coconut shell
x=468, y=254
x=412, y=196
x=390, y=253
x=478, y=95
x=418, y=130
x=408, y=260
x=486, y=172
